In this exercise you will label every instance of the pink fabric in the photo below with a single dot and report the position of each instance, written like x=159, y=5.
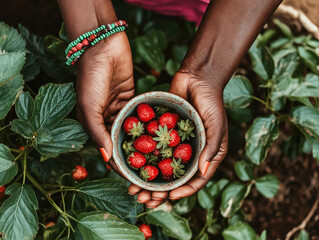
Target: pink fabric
x=191, y=10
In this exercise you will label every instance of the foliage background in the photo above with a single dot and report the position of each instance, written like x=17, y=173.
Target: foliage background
x=289, y=158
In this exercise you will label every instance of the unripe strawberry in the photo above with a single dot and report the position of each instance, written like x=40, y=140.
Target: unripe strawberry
x=145, y=112
x=144, y=228
x=184, y=152
x=2, y=191
x=168, y=119
x=149, y=173
x=49, y=224
x=79, y=173
x=145, y=144
x=136, y=160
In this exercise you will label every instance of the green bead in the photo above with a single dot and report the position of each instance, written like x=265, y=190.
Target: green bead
x=113, y=25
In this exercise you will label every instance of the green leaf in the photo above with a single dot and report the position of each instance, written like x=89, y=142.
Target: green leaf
x=262, y=62
x=222, y=183
x=55, y=46
x=107, y=195
x=185, y=205
x=157, y=37
x=303, y=235
x=66, y=136
x=172, y=66
x=307, y=119
x=8, y=94
x=11, y=64
x=286, y=66
x=232, y=198
x=179, y=52
x=260, y=136
x=149, y=52
x=237, y=93
x=10, y=39
x=63, y=33
x=24, y=106
x=263, y=235
x=162, y=87
x=52, y=104
x=283, y=28
x=145, y=84
x=8, y=168
x=239, y=231
x=309, y=58
x=105, y=226
x=205, y=199
x=18, y=216
x=268, y=185
x=244, y=171
x=172, y=224
x=30, y=68
x=315, y=150
x=22, y=127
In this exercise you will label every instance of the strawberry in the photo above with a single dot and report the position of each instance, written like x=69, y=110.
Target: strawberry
x=145, y=112
x=21, y=148
x=183, y=151
x=176, y=116
x=156, y=152
x=136, y=160
x=167, y=119
x=145, y=144
x=166, y=138
x=144, y=228
x=49, y=224
x=152, y=127
x=149, y=173
x=175, y=139
x=186, y=128
x=133, y=126
x=79, y=173
x=2, y=191
x=170, y=168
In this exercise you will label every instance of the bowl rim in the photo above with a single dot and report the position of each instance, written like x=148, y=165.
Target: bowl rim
x=116, y=128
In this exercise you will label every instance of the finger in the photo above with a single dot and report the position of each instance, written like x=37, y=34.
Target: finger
x=144, y=196
x=133, y=189
x=159, y=195
x=154, y=204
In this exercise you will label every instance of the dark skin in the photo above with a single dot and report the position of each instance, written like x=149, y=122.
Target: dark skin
x=105, y=76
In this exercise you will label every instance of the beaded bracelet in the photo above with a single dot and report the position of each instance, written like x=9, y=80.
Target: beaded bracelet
x=77, y=47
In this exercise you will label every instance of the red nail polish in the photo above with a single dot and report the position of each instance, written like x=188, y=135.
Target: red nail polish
x=104, y=154
x=205, y=167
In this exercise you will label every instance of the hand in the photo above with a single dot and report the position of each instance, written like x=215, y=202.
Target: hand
x=104, y=85
x=208, y=101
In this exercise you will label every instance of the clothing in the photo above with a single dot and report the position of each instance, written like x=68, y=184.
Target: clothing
x=191, y=10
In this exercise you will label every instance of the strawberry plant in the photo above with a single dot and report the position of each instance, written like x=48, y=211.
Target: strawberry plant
x=273, y=110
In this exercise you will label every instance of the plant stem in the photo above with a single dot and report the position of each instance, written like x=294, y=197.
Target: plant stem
x=4, y=127
x=36, y=184
x=61, y=234
x=15, y=150
x=62, y=190
x=137, y=68
x=72, y=202
x=24, y=166
x=202, y=231
x=56, y=186
x=30, y=89
x=263, y=102
x=19, y=155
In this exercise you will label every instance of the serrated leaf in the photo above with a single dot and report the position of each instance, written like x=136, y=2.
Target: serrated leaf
x=52, y=104
x=30, y=68
x=172, y=224
x=172, y=66
x=66, y=136
x=22, y=127
x=11, y=64
x=107, y=195
x=18, y=216
x=105, y=226
x=10, y=39
x=244, y=171
x=262, y=62
x=8, y=94
x=185, y=205
x=239, y=231
x=309, y=58
x=232, y=198
x=237, y=93
x=8, y=168
x=267, y=185
x=24, y=106
x=145, y=84
x=260, y=136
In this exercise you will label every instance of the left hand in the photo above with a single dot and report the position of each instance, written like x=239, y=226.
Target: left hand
x=208, y=101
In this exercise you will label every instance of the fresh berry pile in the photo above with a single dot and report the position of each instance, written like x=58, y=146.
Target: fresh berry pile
x=157, y=142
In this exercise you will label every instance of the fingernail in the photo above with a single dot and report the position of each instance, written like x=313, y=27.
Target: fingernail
x=151, y=207
x=173, y=198
x=205, y=167
x=104, y=154
x=131, y=193
x=141, y=201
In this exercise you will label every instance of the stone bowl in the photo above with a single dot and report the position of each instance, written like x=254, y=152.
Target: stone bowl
x=178, y=105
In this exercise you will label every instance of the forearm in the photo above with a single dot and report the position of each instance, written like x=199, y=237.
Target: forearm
x=81, y=16
x=225, y=34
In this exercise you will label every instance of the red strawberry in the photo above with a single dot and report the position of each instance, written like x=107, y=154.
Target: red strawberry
x=2, y=191
x=156, y=152
x=176, y=117
x=144, y=228
x=152, y=127
x=145, y=112
x=167, y=119
x=149, y=173
x=175, y=139
x=145, y=144
x=183, y=151
x=129, y=122
x=170, y=168
x=136, y=160
x=79, y=173
x=49, y=224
